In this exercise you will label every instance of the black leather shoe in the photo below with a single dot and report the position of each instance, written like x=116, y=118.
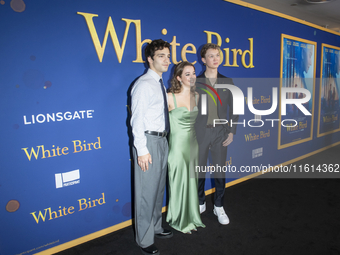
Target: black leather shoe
x=152, y=249
x=165, y=234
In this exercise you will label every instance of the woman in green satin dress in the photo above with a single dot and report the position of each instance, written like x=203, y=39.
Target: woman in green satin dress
x=183, y=209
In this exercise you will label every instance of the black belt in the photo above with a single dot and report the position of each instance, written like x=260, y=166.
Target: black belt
x=162, y=134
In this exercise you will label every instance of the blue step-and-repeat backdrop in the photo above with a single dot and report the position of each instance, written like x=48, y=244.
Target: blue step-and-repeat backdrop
x=66, y=70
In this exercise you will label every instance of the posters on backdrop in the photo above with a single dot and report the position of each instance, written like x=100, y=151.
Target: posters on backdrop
x=297, y=71
x=329, y=90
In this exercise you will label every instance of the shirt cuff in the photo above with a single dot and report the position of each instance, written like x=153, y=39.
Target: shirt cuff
x=142, y=151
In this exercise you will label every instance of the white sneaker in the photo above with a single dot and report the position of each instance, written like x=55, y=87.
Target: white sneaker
x=203, y=208
x=221, y=215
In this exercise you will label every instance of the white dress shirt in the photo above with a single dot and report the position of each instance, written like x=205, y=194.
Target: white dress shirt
x=147, y=107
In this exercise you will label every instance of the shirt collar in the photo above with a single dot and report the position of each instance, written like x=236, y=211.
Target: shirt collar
x=154, y=74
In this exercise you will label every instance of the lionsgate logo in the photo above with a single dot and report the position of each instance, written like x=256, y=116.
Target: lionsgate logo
x=59, y=116
x=67, y=178
x=238, y=104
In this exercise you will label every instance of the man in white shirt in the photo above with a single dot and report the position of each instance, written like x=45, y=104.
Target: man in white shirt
x=150, y=125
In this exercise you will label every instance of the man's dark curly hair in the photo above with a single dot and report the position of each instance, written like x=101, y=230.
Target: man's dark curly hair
x=152, y=47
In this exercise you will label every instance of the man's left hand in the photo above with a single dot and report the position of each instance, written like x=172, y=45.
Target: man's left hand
x=229, y=140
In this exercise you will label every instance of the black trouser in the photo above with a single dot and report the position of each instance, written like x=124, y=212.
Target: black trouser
x=212, y=141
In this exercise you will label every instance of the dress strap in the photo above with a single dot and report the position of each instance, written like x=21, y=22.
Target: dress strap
x=196, y=99
x=174, y=100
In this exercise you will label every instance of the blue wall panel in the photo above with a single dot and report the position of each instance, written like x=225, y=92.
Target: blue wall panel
x=49, y=65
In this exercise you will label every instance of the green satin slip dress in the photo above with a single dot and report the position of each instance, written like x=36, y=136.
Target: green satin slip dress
x=183, y=209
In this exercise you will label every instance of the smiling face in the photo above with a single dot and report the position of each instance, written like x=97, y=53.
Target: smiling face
x=188, y=77
x=160, y=62
x=212, y=58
